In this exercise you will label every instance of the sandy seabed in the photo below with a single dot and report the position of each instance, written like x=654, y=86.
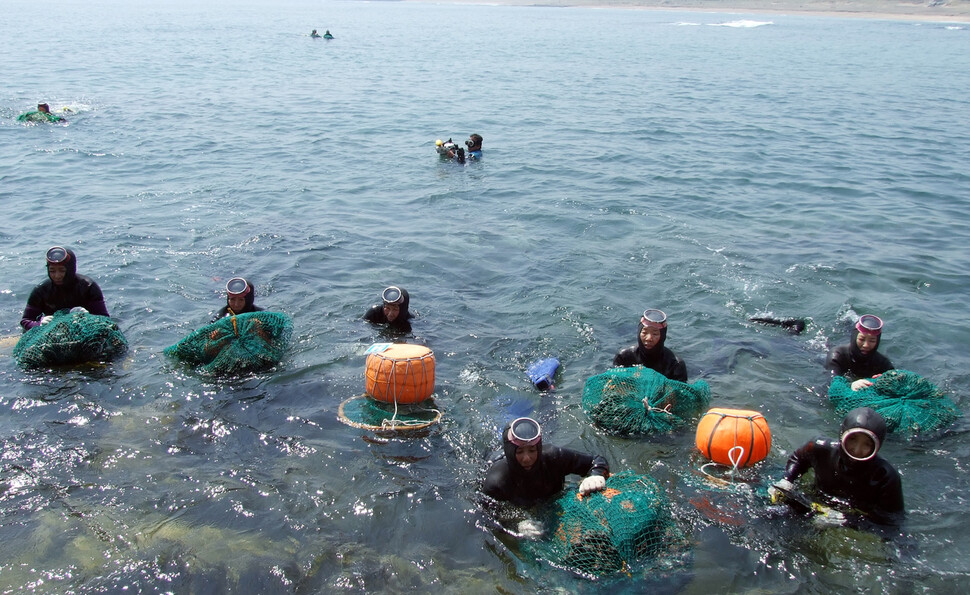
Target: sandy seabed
x=957, y=11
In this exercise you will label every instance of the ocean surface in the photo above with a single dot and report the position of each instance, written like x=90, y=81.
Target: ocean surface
x=715, y=166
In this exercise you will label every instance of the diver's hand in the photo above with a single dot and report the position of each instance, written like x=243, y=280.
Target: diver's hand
x=45, y=319
x=593, y=483
x=861, y=384
x=778, y=491
x=828, y=516
x=79, y=309
x=529, y=529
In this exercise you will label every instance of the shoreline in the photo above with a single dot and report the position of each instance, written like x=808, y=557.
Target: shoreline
x=952, y=11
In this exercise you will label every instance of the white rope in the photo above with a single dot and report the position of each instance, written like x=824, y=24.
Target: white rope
x=652, y=409
x=735, y=463
x=390, y=424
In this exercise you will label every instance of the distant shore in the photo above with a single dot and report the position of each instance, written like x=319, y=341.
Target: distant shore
x=956, y=11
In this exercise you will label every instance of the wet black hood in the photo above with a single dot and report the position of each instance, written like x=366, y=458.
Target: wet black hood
x=658, y=349
x=71, y=265
x=509, y=448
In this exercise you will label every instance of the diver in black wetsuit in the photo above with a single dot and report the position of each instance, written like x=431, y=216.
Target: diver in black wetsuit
x=240, y=299
x=528, y=473
x=63, y=289
x=850, y=468
x=393, y=311
x=650, y=351
x=860, y=357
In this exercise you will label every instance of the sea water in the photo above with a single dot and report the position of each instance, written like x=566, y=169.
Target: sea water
x=714, y=166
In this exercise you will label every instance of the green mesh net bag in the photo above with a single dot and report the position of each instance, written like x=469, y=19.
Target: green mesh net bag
x=370, y=414
x=638, y=400
x=909, y=402
x=251, y=342
x=70, y=338
x=608, y=531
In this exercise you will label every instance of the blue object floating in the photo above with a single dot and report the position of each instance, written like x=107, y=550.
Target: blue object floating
x=542, y=372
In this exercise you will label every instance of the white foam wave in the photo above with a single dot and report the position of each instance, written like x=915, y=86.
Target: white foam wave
x=743, y=24
x=74, y=107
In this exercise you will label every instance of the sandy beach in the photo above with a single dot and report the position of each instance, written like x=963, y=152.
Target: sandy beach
x=957, y=11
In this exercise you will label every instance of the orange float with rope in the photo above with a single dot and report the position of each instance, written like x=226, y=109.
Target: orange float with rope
x=399, y=381
x=733, y=437
x=401, y=374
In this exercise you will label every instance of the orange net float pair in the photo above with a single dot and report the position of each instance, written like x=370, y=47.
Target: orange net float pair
x=401, y=373
x=733, y=437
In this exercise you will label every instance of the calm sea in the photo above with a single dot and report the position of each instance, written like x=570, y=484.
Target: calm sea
x=715, y=166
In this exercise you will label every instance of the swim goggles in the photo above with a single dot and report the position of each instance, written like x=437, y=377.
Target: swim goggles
x=855, y=431
x=58, y=255
x=654, y=318
x=237, y=286
x=393, y=295
x=869, y=324
x=525, y=431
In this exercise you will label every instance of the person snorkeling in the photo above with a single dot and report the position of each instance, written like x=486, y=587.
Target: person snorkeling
x=859, y=358
x=650, y=351
x=850, y=469
x=63, y=289
x=393, y=310
x=240, y=299
x=474, y=144
x=528, y=472
x=41, y=114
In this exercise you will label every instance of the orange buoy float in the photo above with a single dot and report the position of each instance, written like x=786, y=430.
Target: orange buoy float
x=734, y=437
x=401, y=373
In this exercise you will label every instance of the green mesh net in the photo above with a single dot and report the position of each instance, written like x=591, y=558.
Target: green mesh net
x=37, y=116
x=910, y=403
x=608, y=531
x=370, y=414
x=638, y=400
x=246, y=343
x=70, y=338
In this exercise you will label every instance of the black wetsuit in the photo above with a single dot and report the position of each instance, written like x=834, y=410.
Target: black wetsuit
x=402, y=323
x=659, y=359
x=872, y=487
x=76, y=290
x=849, y=360
x=507, y=481
x=249, y=307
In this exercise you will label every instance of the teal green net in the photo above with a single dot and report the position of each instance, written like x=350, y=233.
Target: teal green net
x=70, y=338
x=910, y=403
x=610, y=531
x=370, y=414
x=638, y=400
x=252, y=342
